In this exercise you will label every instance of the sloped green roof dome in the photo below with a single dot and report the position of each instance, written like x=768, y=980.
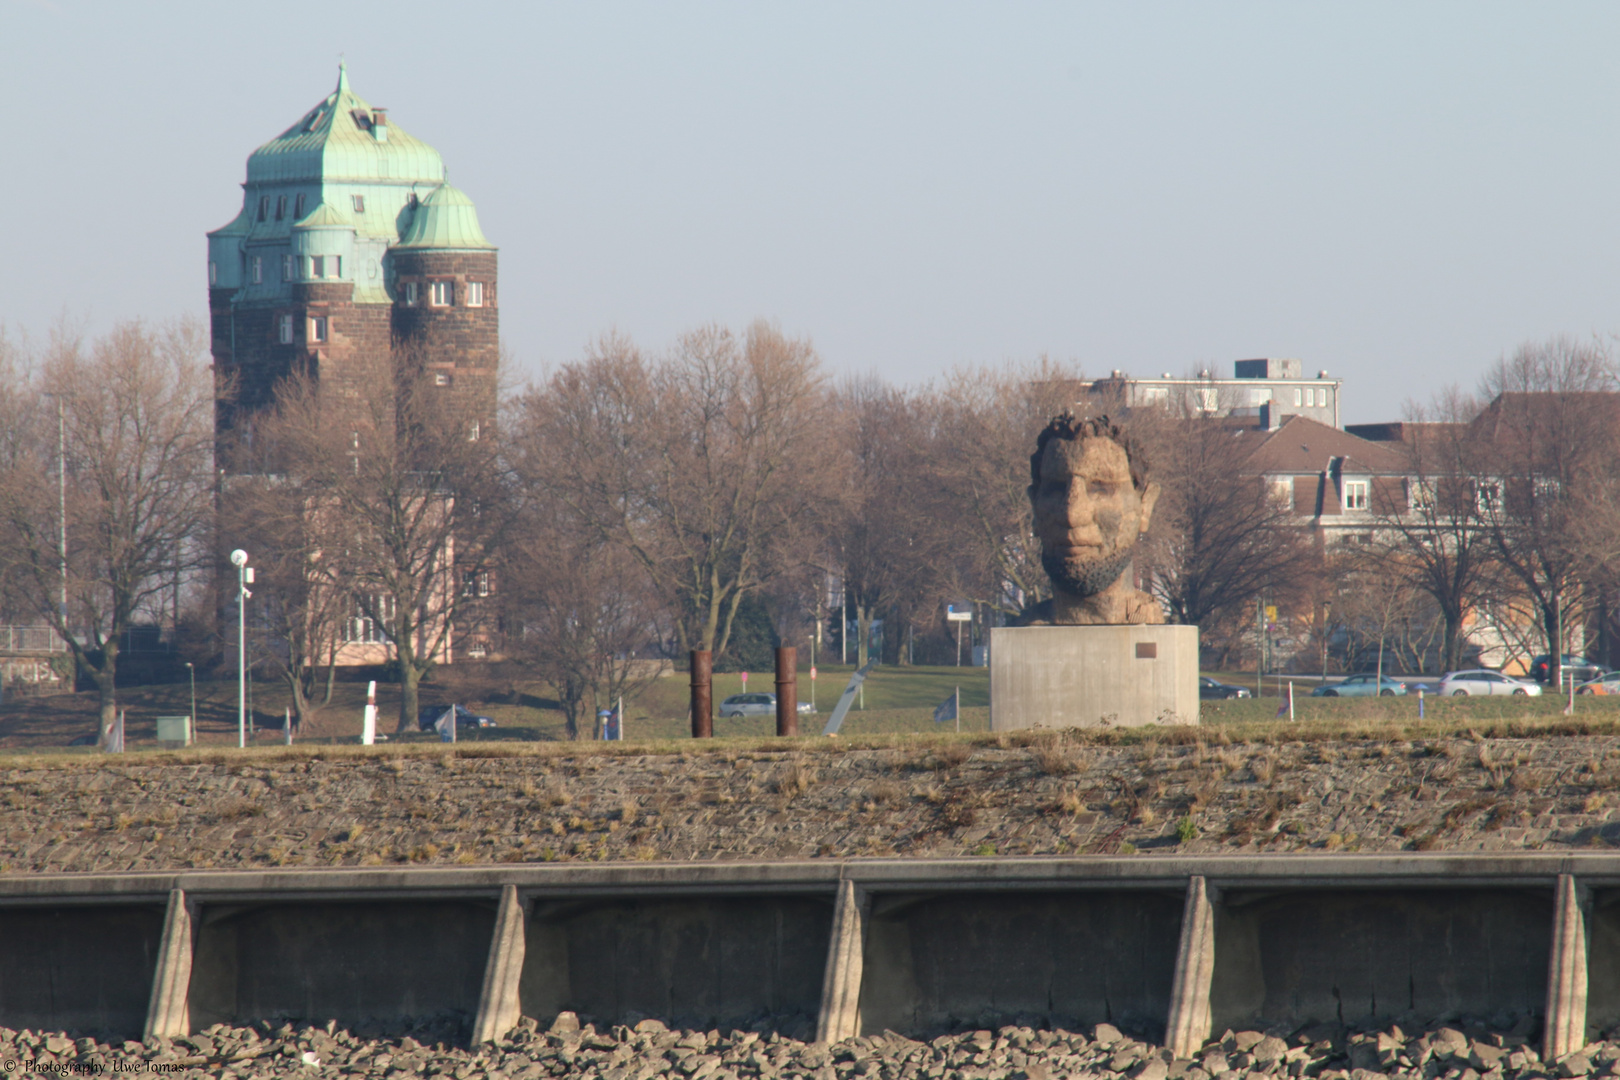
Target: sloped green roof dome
x=324, y=216
x=447, y=221
x=334, y=141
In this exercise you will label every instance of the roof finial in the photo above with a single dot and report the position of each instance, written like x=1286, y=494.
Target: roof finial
x=343, y=75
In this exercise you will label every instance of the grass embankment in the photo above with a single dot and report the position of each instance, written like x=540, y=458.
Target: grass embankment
x=898, y=701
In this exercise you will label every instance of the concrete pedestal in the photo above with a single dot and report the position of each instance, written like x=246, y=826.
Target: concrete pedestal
x=1091, y=676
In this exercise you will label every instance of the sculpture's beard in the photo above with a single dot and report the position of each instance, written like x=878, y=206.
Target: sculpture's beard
x=1084, y=576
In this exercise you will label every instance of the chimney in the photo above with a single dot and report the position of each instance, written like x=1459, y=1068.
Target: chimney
x=1270, y=416
x=379, y=124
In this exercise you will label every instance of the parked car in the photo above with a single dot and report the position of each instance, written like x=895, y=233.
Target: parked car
x=1480, y=682
x=1361, y=686
x=428, y=719
x=1607, y=683
x=1583, y=669
x=755, y=705
x=1209, y=689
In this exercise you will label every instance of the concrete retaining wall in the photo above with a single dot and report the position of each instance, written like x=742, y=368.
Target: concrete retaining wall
x=1169, y=947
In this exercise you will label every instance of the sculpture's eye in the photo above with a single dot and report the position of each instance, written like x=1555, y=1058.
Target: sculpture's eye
x=1100, y=487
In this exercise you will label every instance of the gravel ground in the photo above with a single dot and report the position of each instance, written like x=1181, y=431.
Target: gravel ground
x=1046, y=795
x=1464, y=1050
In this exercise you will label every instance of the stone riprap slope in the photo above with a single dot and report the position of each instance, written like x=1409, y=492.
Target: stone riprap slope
x=1463, y=1051
x=335, y=806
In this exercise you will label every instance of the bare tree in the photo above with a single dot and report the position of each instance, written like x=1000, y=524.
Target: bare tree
x=706, y=465
x=1431, y=534
x=1548, y=437
x=988, y=420
x=136, y=415
x=1220, y=537
x=579, y=612
x=893, y=537
x=406, y=502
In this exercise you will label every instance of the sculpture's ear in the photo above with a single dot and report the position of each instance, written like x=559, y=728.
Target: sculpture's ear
x=1149, y=498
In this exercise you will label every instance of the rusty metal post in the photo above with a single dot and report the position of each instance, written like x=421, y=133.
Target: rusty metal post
x=787, y=690
x=702, y=694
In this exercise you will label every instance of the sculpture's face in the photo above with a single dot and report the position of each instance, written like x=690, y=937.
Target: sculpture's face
x=1088, y=514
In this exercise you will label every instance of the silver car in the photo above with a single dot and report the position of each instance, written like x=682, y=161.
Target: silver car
x=1481, y=682
x=754, y=705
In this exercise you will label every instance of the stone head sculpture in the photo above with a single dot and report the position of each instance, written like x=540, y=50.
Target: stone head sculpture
x=1091, y=499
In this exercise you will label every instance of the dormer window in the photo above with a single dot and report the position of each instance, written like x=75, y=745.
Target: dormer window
x=298, y=207
x=359, y=203
x=258, y=270
x=1355, y=494
x=439, y=294
x=264, y=207
x=281, y=207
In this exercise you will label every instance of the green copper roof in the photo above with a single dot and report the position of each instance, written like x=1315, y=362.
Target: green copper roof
x=324, y=216
x=240, y=225
x=335, y=141
x=446, y=221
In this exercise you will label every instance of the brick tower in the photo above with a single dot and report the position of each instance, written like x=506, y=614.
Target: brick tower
x=349, y=245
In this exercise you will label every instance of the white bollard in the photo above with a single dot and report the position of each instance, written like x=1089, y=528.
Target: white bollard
x=368, y=731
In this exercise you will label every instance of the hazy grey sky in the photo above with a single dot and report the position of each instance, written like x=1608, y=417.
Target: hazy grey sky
x=1396, y=192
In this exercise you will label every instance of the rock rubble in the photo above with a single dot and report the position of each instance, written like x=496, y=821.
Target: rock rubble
x=1501, y=1049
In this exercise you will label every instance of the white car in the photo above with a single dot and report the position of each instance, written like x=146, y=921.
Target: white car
x=755, y=705
x=1480, y=682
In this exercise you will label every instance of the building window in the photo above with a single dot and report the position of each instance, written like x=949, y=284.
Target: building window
x=1418, y=495
x=286, y=268
x=334, y=266
x=281, y=207
x=439, y=294
x=1321, y=398
x=441, y=378
x=317, y=328
x=286, y=329
x=1282, y=492
x=1297, y=395
x=213, y=272
x=410, y=294
x=317, y=266
x=363, y=628
x=298, y=207
x=258, y=270
x=1205, y=399
x=475, y=294
x=472, y=432
x=264, y=207
x=475, y=583
x=359, y=203
x=1355, y=494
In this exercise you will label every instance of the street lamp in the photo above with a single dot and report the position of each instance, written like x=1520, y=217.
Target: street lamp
x=244, y=578
x=1327, y=610
x=191, y=670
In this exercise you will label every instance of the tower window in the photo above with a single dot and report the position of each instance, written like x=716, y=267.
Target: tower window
x=281, y=207
x=317, y=328
x=359, y=203
x=298, y=206
x=286, y=329
x=441, y=378
x=475, y=294
x=213, y=272
x=317, y=266
x=410, y=294
x=264, y=207
x=258, y=270
x=286, y=268
x=473, y=432
x=439, y=294
x=334, y=266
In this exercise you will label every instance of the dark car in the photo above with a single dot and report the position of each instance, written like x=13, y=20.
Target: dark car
x=1585, y=670
x=1209, y=689
x=429, y=719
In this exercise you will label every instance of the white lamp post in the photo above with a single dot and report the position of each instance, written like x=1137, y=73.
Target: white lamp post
x=244, y=578
x=191, y=730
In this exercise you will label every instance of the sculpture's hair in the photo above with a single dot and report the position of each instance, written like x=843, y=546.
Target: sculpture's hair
x=1068, y=426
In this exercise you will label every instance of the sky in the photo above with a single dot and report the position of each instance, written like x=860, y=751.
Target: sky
x=1397, y=193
